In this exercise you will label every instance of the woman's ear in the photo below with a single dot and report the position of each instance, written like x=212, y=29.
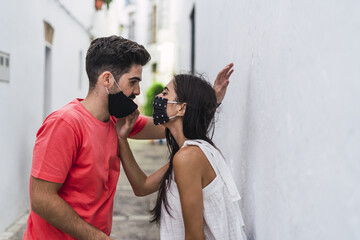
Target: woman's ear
x=182, y=110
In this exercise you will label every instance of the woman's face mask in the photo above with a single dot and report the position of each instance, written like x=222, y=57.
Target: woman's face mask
x=159, y=114
x=119, y=104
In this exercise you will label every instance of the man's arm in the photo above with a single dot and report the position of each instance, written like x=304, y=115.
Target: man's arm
x=46, y=202
x=150, y=131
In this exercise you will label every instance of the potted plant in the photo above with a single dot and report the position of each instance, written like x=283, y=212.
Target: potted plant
x=98, y=4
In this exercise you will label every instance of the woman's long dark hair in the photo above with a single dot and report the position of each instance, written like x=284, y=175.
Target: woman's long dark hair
x=198, y=121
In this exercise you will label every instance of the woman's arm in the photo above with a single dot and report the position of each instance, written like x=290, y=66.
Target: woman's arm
x=141, y=184
x=188, y=168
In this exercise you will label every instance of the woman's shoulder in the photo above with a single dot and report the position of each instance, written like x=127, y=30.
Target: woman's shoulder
x=190, y=157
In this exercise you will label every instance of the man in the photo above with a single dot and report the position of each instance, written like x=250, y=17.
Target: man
x=76, y=162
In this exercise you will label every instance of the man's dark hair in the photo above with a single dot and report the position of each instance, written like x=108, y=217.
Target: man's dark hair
x=115, y=54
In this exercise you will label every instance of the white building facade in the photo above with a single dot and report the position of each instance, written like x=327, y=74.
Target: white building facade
x=289, y=122
x=43, y=47
x=289, y=125
x=152, y=23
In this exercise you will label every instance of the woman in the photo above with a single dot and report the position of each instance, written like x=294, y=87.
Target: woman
x=197, y=197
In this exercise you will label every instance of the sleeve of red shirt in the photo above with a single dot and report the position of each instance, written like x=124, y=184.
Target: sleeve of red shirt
x=56, y=148
x=138, y=126
x=54, y=151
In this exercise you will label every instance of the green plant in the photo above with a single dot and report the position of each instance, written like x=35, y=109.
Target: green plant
x=152, y=91
x=107, y=2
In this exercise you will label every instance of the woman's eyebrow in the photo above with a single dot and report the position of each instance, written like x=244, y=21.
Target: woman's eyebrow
x=165, y=88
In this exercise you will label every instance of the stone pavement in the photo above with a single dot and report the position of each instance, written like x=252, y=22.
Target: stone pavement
x=16, y=230
x=131, y=213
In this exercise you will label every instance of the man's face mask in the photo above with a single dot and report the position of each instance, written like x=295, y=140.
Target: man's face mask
x=159, y=115
x=119, y=104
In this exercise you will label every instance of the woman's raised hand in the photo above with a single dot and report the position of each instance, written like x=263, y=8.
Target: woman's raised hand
x=222, y=81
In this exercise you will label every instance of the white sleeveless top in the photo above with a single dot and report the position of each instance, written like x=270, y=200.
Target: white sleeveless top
x=222, y=216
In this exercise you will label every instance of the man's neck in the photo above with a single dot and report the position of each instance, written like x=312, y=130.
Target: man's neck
x=97, y=105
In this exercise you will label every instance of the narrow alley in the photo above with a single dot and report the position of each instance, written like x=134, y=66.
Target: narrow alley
x=131, y=213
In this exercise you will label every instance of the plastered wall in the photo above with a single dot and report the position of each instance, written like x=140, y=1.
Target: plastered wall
x=22, y=97
x=289, y=125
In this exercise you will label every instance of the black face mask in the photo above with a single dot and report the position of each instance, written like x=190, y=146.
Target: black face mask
x=120, y=105
x=159, y=115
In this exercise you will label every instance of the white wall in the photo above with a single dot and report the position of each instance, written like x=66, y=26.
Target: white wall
x=22, y=99
x=183, y=36
x=289, y=124
x=19, y=119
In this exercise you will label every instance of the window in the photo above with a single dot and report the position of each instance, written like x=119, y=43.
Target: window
x=47, y=81
x=152, y=27
x=132, y=26
x=4, y=67
x=129, y=2
x=154, y=68
x=192, y=19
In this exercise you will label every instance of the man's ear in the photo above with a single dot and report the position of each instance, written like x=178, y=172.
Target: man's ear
x=182, y=110
x=105, y=79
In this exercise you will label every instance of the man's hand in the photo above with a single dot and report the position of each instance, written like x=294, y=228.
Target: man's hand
x=125, y=124
x=222, y=81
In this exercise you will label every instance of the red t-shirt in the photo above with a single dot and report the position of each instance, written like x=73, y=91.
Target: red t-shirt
x=81, y=152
